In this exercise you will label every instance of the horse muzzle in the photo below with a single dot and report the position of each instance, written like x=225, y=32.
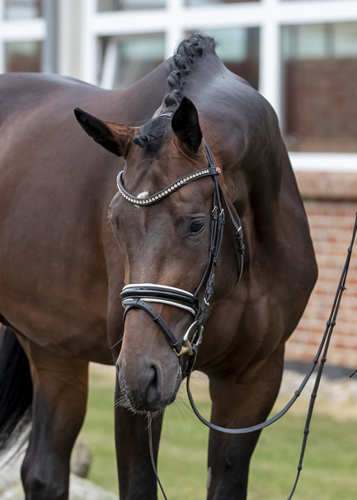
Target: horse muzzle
x=147, y=391
x=149, y=372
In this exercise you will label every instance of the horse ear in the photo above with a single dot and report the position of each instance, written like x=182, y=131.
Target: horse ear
x=186, y=126
x=114, y=137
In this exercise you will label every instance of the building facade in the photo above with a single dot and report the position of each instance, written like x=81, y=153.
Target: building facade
x=300, y=54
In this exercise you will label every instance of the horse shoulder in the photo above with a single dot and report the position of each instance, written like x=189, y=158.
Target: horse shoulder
x=280, y=265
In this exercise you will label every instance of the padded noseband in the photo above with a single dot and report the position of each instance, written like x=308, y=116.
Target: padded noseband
x=140, y=296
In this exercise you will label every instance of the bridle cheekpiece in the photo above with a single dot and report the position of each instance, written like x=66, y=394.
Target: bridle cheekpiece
x=141, y=295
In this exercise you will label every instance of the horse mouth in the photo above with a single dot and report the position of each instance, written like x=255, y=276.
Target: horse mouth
x=151, y=403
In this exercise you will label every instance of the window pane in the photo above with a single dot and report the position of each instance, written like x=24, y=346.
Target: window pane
x=23, y=56
x=196, y=3
x=110, y=5
x=22, y=9
x=319, y=87
x=135, y=57
x=239, y=50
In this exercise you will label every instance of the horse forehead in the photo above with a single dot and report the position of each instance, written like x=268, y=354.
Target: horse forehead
x=144, y=183
x=143, y=194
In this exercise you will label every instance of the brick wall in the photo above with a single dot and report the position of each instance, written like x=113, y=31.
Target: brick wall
x=330, y=202
x=321, y=105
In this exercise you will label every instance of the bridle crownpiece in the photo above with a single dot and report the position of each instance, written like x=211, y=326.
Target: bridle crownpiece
x=140, y=295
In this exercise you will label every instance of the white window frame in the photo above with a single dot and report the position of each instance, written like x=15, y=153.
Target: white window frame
x=268, y=15
x=19, y=30
x=175, y=19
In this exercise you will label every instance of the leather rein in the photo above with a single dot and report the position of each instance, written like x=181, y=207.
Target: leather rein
x=141, y=295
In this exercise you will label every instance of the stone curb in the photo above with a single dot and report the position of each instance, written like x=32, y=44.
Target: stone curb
x=80, y=489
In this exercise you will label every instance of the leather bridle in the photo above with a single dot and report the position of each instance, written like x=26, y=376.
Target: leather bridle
x=138, y=296
x=141, y=295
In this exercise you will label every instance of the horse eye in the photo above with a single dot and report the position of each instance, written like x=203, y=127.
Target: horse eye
x=194, y=226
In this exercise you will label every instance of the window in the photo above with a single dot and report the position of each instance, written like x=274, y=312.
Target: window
x=319, y=76
x=22, y=9
x=196, y=3
x=22, y=35
x=23, y=56
x=126, y=60
x=110, y=5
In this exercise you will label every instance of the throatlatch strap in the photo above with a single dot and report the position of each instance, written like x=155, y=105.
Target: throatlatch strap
x=138, y=295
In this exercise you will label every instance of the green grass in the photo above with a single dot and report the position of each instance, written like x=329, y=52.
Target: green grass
x=329, y=467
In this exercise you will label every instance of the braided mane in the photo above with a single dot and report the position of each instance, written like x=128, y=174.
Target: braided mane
x=181, y=65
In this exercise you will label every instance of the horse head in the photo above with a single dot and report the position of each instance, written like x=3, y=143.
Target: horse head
x=162, y=220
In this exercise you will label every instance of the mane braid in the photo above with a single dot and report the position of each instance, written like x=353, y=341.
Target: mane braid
x=181, y=65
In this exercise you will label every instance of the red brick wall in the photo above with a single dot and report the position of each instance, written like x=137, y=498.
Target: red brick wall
x=321, y=105
x=330, y=202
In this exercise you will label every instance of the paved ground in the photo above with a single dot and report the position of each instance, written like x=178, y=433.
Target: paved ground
x=337, y=395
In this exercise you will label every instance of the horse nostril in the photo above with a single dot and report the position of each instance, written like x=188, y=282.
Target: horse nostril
x=153, y=392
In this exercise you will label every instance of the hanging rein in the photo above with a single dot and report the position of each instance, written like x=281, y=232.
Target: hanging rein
x=138, y=296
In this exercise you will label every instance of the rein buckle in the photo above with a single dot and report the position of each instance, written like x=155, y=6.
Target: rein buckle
x=186, y=349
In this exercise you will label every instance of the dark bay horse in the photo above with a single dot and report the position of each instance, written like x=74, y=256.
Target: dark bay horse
x=63, y=266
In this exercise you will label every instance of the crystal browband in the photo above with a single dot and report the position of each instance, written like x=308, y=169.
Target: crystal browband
x=139, y=295
x=204, y=172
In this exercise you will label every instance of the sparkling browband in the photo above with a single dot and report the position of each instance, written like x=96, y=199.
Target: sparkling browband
x=204, y=172
x=137, y=296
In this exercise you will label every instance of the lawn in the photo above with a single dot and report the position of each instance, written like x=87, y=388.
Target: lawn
x=329, y=468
